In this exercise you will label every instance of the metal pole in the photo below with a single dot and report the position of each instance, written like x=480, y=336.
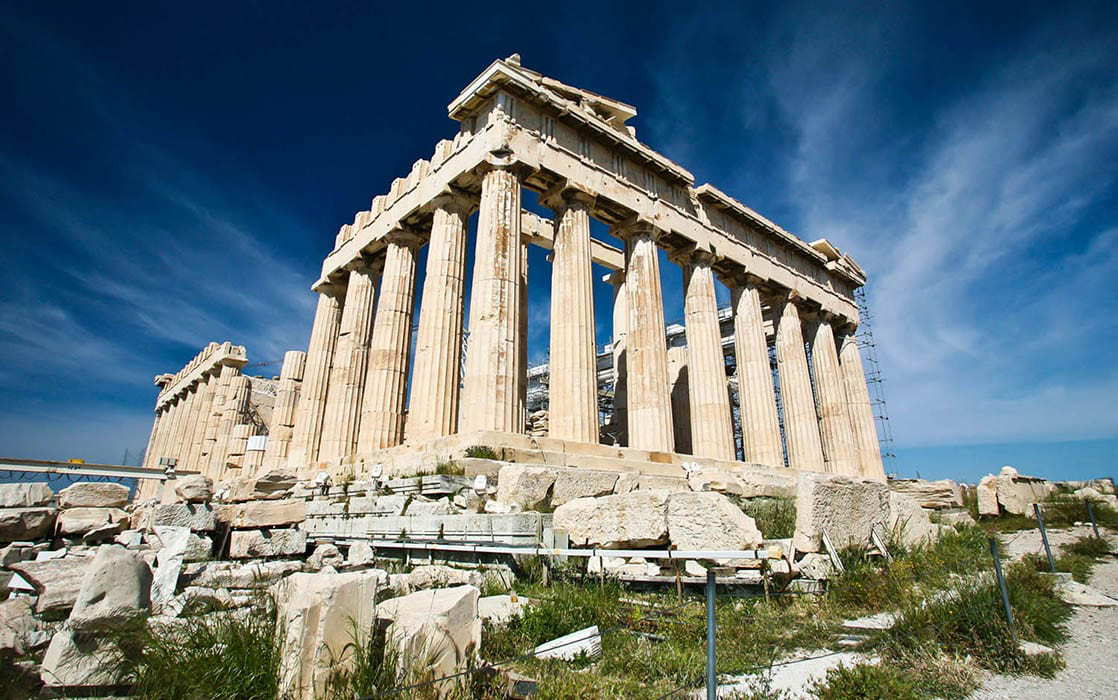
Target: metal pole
x=712, y=677
x=1044, y=537
x=1094, y=523
x=1001, y=586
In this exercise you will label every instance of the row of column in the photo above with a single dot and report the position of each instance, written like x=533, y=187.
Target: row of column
x=353, y=390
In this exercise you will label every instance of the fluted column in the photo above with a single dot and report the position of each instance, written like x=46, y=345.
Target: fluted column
x=200, y=419
x=647, y=392
x=712, y=429
x=350, y=367
x=866, y=446
x=283, y=414
x=213, y=419
x=620, y=371
x=166, y=430
x=382, y=418
x=801, y=425
x=316, y=379
x=834, y=417
x=436, y=377
x=234, y=408
x=522, y=345
x=491, y=387
x=760, y=425
x=573, y=375
x=177, y=448
x=153, y=438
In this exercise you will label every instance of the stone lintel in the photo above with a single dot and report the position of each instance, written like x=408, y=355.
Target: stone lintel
x=209, y=361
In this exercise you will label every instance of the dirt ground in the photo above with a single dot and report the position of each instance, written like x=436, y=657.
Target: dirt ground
x=1091, y=651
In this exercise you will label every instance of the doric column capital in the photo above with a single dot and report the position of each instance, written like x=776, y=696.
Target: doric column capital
x=455, y=202
x=564, y=195
x=635, y=227
x=691, y=256
x=404, y=237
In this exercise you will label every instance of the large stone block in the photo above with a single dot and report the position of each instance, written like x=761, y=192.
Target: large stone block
x=635, y=519
x=944, y=493
x=1017, y=494
x=273, y=484
x=256, y=514
x=846, y=508
x=93, y=494
x=709, y=521
x=319, y=614
x=117, y=586
x=267, y=543
x=26, y=494
x=747, y=482
x=199, y=517
x=438, y=631
x=231, y=574
x=194, y=488
x=57, y=581
x=26, y=523
x=581, y=483
x=78, y=521
x=76, y=659
x=987, y=493
x=527, y=487
x=909, y=522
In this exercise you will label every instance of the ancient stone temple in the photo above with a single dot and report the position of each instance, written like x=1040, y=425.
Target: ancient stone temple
x=356, y=402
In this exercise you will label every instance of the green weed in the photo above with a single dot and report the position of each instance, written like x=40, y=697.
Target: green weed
x=868, y=681
x=775, y=517
x=481, y=452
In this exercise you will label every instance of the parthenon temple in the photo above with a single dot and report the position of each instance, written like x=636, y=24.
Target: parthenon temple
x=776, y=381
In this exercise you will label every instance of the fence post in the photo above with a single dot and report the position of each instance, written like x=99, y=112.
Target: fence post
x=1091, y=512
x=1001, y=586
x=1044, y=537
x=712, y=676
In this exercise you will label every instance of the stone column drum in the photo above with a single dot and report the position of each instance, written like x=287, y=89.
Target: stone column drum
x=834, y=419
x=350, y=367
x=382, y=418
x=200, y=419
x=491, y=387
x=573, y=381
x=283, y=415
x=861, y=412
x=760, y=424
x=647, y=392
x=436, y=376
x=213, y=420
x=235, y=408
x=620, y=331
x=801, y=425
x=312, y=399
x=712, y=432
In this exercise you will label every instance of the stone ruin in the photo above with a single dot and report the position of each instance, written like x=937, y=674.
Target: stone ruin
x=343, y=407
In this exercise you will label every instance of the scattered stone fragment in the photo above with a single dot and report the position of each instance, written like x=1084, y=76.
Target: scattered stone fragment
x=987, y=492
x=816, y=566
x=270, y=485
x=198, y=517
x=360, y=554
x=231, y=574
x=581, y=483
x=635, y=519
x=57, y=581
x=173, y=542
x=26, y=523
x=527, y=487
x=82, y=519
x=318, y=614
x=118, y=585
x=194, y=488
x=20, y=630
x=909, y=522
x=846, y=508
x=423, y=506
x=324, y=555
x=438, y=628
x=257, y=514
x=944, y=493
x=26, y=494
x=709, y=521
x=267, y=543
x=93, y=494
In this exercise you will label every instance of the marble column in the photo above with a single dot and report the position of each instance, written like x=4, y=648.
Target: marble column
x=436, y=377
x=283, y=414
x=866, y=446
x=213, y=420
x=199, y=419
x=834, y=417
x=712, y=429
x=382, y=416
x=233, y=411
x=620, y=418
x=573, y=380
x=177, y=448
x=647, y=391
x=348, y=372
x=153, y=438
x=801, y=424
x=166, y=429
x=522, y=344
x=316, y=379
x=760, y=424
x=491, y=387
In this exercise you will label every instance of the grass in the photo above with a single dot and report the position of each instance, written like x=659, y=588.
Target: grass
x=450, y=468
x=869, y=681
x=775, y=517
x=1077, y=558
x=481, y=452
x=1060, y=510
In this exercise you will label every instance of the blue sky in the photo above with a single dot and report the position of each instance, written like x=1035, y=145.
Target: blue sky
x=174, y=174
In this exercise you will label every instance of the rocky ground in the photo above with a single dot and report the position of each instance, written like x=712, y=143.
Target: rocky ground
x=1091, y=651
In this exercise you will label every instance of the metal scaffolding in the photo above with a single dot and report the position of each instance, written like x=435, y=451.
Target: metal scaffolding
x=875, y=381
